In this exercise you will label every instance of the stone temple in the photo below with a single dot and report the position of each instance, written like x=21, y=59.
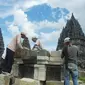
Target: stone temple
x=36, y=67
x=74, y=31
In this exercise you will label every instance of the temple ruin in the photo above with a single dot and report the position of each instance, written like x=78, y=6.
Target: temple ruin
x=74, y=31
x=1, y=44
x=41, y=67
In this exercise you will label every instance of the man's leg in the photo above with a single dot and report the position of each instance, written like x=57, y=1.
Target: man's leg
x=66, y=77
x=10, y=60
x=4, y=64
x=75, y=77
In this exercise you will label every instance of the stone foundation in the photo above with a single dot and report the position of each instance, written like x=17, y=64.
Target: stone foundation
x=26, y=81
x=4, y=79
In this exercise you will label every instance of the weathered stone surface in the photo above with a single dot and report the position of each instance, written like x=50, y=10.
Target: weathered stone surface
x=56, y=53
x=17, y=70
x=43, y=52
x=40, y=72
x=25, y=53
x=62, y=82
x=28, y=56
x=81, y=73
x=4, y=79
x=22, y=53
x=18, y=61
x=55, y=57
x=54, y=83
x=29, y=70
x=53, y=72
x=57, y=83
x=42, y=59
x=43, y=62
x=26, y=81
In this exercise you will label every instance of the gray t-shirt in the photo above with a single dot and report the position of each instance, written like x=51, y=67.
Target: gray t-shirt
x=73, y=52
x=70, y=54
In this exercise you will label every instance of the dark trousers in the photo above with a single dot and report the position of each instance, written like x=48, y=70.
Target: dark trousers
x=8, y=62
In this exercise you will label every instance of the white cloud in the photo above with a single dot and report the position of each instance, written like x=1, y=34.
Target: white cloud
x=13, y=29
x=22, y=22
x=30, y=29
x=17, y=4
x=52, y=25
x=20, y=17
x=28, y=4
x=74, y=6
x=71, y=5
x=50, y=37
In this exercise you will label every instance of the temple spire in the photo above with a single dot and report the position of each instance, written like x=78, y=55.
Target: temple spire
x=1, y=44
x=72, y=17
x=74, y=31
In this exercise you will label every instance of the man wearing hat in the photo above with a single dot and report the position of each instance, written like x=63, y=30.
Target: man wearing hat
x=70, y=54
x=10, y=51
x=37, y=43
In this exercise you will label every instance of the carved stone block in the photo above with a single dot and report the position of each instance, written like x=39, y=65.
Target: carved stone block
x=18, y=70
x=43, y=53
x=53, y=72
x=42, y=59
x=28, y=56
x=40, y=72
x=56, y=54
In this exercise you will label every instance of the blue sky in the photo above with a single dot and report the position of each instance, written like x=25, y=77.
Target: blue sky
x=42, y=18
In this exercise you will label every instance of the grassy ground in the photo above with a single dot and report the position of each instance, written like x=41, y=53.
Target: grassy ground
x=82, y=79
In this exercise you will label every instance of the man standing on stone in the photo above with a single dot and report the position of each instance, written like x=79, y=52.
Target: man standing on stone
x=10, y=51
x=70, y=54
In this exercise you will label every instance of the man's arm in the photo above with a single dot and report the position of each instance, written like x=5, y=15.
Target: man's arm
x=63, y=53
x=19, y=41
x=38, y=43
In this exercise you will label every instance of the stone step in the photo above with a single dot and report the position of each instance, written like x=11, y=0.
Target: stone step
x=54, y=83
x=26, y=81
x=4, y=79
x=62, y=83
